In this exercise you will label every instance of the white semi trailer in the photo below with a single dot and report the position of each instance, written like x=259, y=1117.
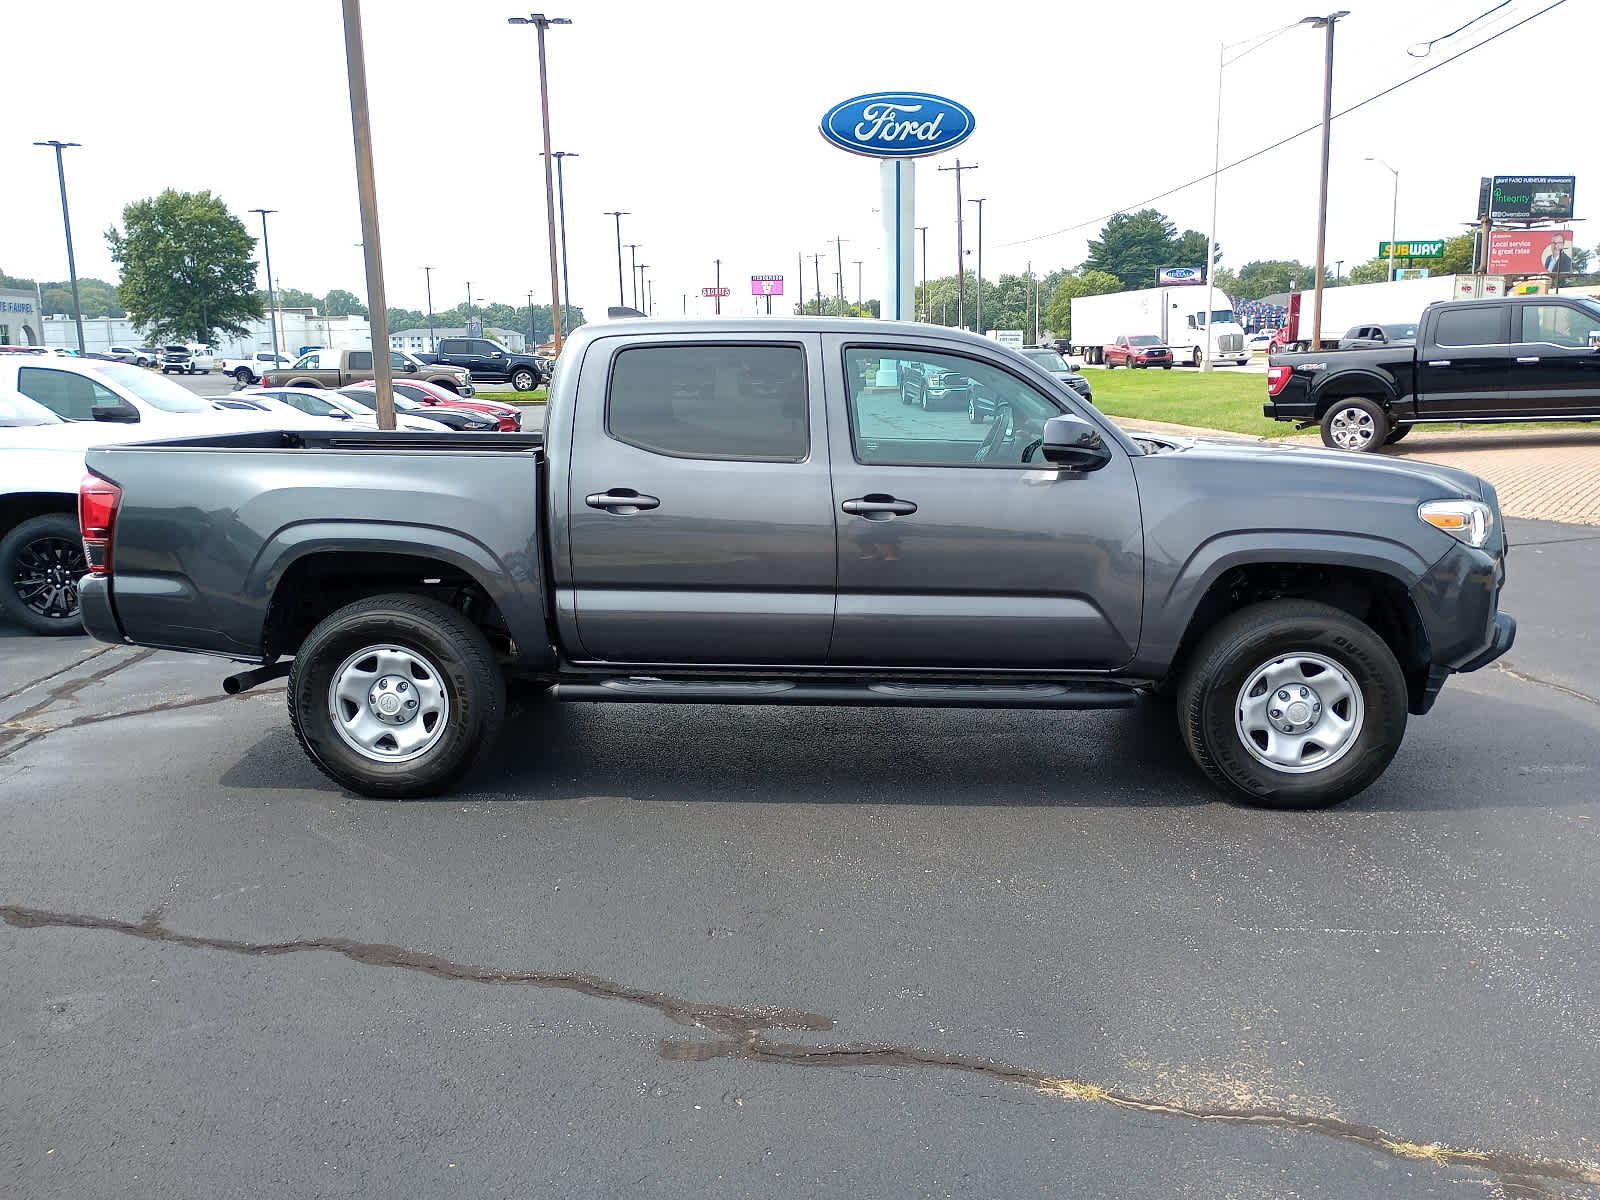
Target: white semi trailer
x=1176, y=315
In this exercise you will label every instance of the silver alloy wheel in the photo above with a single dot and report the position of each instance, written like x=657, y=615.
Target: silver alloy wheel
x=388, y=703
x=1299, y=713
x=1352, y=428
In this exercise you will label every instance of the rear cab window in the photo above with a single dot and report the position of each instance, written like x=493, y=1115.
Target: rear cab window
x=1471, y=325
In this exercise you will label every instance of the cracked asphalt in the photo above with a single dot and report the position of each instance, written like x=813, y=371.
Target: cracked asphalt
x=774, y=952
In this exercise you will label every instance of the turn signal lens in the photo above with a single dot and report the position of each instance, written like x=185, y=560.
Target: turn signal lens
x=1469, y=521
x=97, y=518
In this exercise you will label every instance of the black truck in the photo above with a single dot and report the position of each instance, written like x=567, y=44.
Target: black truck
x=490, y=362
x=742, y=512
x=1517, y=358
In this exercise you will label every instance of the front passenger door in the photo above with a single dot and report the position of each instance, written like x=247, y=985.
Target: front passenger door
x=1556, y=370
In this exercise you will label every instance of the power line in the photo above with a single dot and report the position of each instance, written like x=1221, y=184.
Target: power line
x=1239, y=162
x=1427, y=47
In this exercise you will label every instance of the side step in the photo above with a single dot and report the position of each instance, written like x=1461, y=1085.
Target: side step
x=861, y=694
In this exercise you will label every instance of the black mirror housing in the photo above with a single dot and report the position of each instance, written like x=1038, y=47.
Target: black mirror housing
x=1070, y=441
x=117, y=414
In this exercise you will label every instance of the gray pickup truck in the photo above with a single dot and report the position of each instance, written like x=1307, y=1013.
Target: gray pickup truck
x=745, y=512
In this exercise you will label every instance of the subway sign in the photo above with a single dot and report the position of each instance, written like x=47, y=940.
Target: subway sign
x=1412, y=249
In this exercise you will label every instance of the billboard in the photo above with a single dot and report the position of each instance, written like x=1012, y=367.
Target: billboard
x=766, y=285
x=1532, y=197
x=1411, y=272
x=1413, y=249
x=1531, y=252
x=1175, y=276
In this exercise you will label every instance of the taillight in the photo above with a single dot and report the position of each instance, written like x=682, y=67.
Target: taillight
x=1277, y=377
x=97, y=518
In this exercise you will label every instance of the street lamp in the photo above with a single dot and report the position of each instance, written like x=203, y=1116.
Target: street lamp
x=923, y=229
x=633, y=263
x=979, y=203
x=561, y=197
x=1394, y=210
x=266, y=249
x=72, y=265
x=427, y=278
x=858, y=282
x=622, y=298
x=541, y=22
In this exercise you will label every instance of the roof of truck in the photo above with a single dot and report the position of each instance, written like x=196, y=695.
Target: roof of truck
x=854, y=326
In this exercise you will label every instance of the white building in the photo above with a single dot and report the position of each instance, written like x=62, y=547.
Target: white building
x=299, y=329
x=19, y=319
x=416, y=340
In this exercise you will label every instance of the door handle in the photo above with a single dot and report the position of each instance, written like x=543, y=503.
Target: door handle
x=1532, y=359
x=878, y=507
x=622, y=501
x=1438, y=362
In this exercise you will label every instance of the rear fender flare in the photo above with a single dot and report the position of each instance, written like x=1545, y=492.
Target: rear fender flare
x=1357, y=381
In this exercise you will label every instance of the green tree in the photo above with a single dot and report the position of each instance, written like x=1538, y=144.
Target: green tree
x=293, y=298
x=1189, y=250
x=1374, y=270
x=1085, y=282
x=16, y=282
x=187, y=270
x=1132, y=245
x=1457, y=258
x=406, y=318
x=1269, y=277
x=340, y=303
x=99, y=299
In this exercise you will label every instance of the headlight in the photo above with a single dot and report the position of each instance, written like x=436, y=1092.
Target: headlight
x=1469, y=521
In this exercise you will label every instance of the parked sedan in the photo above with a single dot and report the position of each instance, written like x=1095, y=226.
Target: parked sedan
x=457, y=418
x=132, y=354
x=433, y=395
x=317, y=402
x=1061, y=368
x=1139, y=350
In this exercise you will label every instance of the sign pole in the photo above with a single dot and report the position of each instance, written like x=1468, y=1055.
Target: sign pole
x=897, y=178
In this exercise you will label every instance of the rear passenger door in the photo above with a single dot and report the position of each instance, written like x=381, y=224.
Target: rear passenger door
x=699, y=522
x=1464, y=364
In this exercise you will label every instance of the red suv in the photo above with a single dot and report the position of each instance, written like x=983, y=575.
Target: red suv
x=1140, y=350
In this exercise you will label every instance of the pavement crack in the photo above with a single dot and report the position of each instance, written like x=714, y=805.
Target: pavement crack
x=49, y=675
x=740, y=1036
x=26, y=735
x=1504, y=669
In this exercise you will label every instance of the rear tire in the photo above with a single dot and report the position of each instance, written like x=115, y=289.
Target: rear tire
x=1355, y=423
x=243, y=375
x=41, y=561
x=429, y=650
x=1344, y=688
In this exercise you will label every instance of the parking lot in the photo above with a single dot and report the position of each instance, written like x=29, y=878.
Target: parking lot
x=776, y=952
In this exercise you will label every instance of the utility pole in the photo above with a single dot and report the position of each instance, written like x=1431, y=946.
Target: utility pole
x=561, y=201
x=650, y=298
x=718, y=298
x=427, y=279
x=800, y=278
x=961, y=254
x=923, y=229
x=979, y=203
x=1327, y=23
x=541, y=22
x=266, y=250
x=633, y=262
x=622, y=298
x=857, y=261
x=533, y=330
x=816, y=275
x=643, y=267
x=72, y=265
x=838, y=250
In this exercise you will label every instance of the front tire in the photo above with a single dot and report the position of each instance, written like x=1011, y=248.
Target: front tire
x=1356, y=424
x=1292, y=704
x=41, y=561
x=524, y=380
x=1398, y=432
x=396, y=696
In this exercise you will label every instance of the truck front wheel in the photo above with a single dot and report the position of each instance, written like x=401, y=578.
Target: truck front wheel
x=1355, y=423
x=1292, y=704
x=524, y=379
x=396, y=696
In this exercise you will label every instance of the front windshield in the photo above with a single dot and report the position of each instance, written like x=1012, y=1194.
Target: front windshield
x=1144, y=339
x=1219, y=316
x=155, y=390
x=17, y=411
x=1048, y=359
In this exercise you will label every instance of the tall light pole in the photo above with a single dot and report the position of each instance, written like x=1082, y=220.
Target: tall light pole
x=533, y=331
x=979, y=203
x=633, y=262
x=643, y=267
x=1394, y=210
x=816, y=276
x=923, y=230
x=72, y=265
x=718, y=297
x=541, y=22
x=1327, y=23
x=858, y=282
x=427, y=278
x=266, y=250
x=838, y=249
x=367, y=194
x=961, y=253
x=561, y=200
x=622, y=298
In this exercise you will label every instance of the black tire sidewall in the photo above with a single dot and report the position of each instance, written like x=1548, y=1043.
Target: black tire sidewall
x=517, y=376
x=1250, y=638
x=1380, y=420
x=438, y=633
x=11, y=606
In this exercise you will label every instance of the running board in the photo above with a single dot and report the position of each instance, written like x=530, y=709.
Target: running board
x=866, y=694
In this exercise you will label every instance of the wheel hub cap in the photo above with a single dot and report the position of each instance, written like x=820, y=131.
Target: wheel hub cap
x=1352, y=428
x=1299, y=713
x=388, y=703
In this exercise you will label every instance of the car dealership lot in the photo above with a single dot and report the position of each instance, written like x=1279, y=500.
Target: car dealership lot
x=606, y=963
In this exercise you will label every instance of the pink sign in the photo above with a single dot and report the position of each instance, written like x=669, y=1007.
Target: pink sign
x=1531, y=252
x=766, y=285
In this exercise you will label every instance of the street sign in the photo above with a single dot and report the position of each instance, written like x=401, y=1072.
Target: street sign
x=766, y=285
x=719, y=293
x=1413, y=249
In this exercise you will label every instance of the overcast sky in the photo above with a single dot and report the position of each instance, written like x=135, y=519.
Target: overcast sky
x=700, y=119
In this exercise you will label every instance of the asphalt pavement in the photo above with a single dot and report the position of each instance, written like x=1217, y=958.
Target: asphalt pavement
x=705, y=951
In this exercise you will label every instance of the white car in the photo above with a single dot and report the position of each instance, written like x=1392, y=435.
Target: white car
x=319, y=403
x=253, y=367
x=193, y=359
x=131, y=354
x=1259, y=343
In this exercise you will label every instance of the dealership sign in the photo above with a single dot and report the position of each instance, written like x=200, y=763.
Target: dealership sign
x=1173, y=276
x=1412, y=249
x=1531, y=197
x=897, y=124
x=718, y=292
x=1531, y=252
x=766, y=285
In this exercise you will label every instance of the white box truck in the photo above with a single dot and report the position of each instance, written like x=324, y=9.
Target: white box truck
x=1176, y=315
x=1398, y=303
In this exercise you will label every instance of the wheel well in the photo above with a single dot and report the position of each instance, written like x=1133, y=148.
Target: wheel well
x=1379, y=600
x=447, y=384
x=1337, y=389
x=319, y=584
x=24, y=506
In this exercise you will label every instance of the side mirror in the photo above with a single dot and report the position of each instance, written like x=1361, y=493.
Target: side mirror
x=1072, y=442
x=411, y=368
x=117, y=414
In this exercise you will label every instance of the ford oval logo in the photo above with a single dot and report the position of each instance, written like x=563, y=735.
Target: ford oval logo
x=897, y=124
x=1182, y=272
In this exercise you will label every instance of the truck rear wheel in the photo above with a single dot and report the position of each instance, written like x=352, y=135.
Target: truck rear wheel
x=41, y=560
x=396, y=696
x=1292, y=704
x=1355, y=423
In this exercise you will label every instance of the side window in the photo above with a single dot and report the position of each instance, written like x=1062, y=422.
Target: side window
x=411, y=391
x=1559, y=324
x=938, y=410
x=361, y=360
x=308, y=362
x=1473, y=325
x=724, y=402
x=487, y=349
x=453, y=346
x=72, y=397
x=398, y=362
